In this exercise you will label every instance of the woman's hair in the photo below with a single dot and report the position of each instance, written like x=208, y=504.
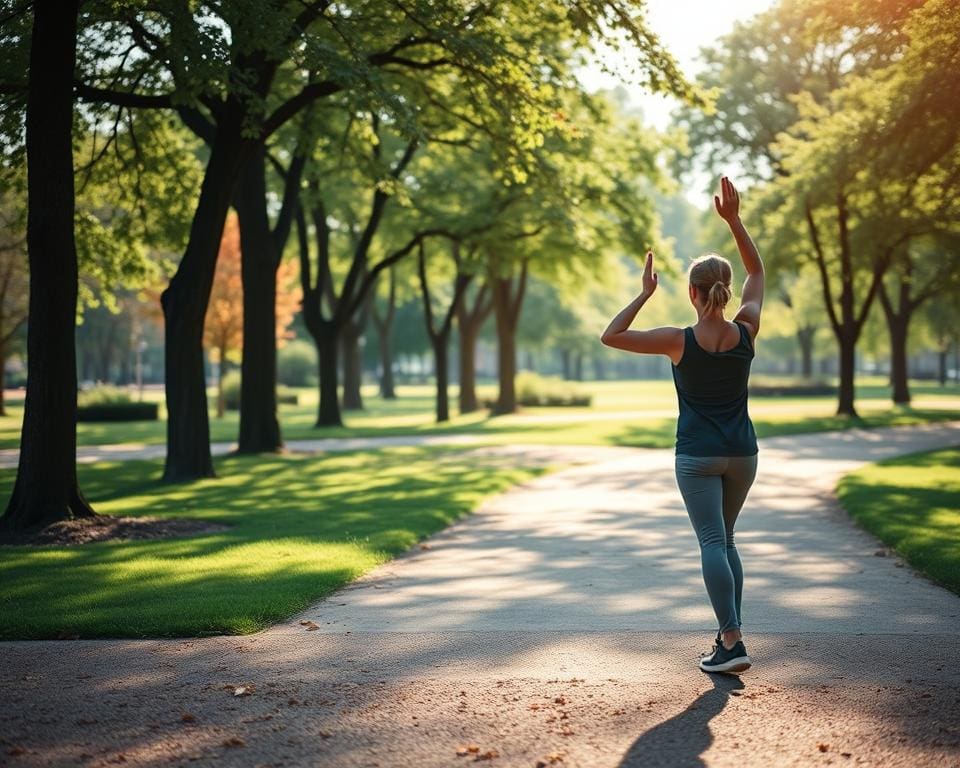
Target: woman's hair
x=710, y=274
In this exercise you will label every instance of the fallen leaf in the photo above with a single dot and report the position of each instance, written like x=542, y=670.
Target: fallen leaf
x=823, y=747
x=233, y=741
x=311, y=626
x=186, y=717
x=559, y=700
x=426, y=546
x=490, y=754
x=243, y=690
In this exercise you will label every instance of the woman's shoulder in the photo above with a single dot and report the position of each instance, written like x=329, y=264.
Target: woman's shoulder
x=746, y=334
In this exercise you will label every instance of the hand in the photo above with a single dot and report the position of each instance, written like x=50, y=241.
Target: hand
x=649, y=276
x=728, y=203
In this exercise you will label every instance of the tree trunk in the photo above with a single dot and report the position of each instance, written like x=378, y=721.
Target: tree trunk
x=565, y=362
x=387, y=387
x=845, y=404
x=221, y=400
x=805, y=335
x=441, y=348
x=506, y=309
x=384, y=328
x=506, y=369
x=184, y=308
x=470, y=320
x=898, y=360
x=259, y=426
x=326, y=337
x=941, y=359
x=467, y=371
x=578, y=366
x=352, y=368
x=46, y=487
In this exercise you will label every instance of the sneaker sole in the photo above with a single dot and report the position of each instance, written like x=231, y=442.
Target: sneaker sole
x=734, y=666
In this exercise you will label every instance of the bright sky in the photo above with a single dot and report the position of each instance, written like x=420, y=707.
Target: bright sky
x=684, y=26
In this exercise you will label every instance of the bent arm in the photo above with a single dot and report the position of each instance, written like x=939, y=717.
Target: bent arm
x=656, y=341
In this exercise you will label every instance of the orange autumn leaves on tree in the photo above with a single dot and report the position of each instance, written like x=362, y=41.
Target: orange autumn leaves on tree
x=223, y=327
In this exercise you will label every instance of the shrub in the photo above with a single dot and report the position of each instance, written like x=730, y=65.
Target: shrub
x=103, y=394
x=534, y=389
x=804, y=389
x=297, y=364
x=107, y=403
x=231, y=390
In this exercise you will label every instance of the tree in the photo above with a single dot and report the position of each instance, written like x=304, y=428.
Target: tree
x=585, y=197
x=471, y=315
x=440, y=336
x=782, y=111
x=46, y=488
x=908, y=160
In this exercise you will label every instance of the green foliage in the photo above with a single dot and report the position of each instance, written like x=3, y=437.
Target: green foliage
x=230, y=385
x=534, y=389
x=297, y=364
x=103, y=394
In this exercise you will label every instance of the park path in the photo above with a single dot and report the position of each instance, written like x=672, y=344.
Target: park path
x=561, y=625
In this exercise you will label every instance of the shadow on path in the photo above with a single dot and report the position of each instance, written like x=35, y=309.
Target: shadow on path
x=681, y=740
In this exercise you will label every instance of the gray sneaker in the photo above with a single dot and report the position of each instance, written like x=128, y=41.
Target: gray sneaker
x=733, y=661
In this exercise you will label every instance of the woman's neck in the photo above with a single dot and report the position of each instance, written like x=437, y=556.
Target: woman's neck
x=710, y=317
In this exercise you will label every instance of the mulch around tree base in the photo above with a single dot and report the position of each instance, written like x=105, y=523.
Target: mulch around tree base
x=107, y=527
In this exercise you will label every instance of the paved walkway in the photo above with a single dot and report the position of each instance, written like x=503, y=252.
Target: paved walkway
x=559, y=625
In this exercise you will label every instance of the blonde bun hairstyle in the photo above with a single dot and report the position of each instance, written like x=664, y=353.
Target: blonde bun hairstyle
x=710, y=275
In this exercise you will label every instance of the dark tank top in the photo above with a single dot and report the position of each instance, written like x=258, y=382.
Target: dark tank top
x=712, y=394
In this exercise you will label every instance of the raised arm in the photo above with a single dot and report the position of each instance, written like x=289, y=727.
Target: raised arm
x=728, y=207
x=656, y=341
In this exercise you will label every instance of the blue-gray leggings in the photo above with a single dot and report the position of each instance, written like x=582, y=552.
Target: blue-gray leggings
x=714, y=489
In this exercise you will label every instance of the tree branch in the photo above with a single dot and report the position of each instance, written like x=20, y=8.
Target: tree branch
x=822, y=267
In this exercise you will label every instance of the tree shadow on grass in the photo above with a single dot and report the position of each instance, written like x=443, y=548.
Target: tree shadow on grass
x=681, y=740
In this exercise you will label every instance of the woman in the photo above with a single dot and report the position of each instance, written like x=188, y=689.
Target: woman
x=716, y=450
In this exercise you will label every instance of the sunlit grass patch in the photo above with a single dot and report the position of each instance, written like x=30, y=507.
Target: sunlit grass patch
x=912, y=504
x=300, y=527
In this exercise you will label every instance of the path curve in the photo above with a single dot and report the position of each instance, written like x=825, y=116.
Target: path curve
x=559, y=624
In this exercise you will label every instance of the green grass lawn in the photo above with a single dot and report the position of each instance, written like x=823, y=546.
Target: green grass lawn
x=912, y=504
x=300, y=527
x=412, y=413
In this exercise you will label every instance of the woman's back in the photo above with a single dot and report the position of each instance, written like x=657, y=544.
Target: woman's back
x=712, y=396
